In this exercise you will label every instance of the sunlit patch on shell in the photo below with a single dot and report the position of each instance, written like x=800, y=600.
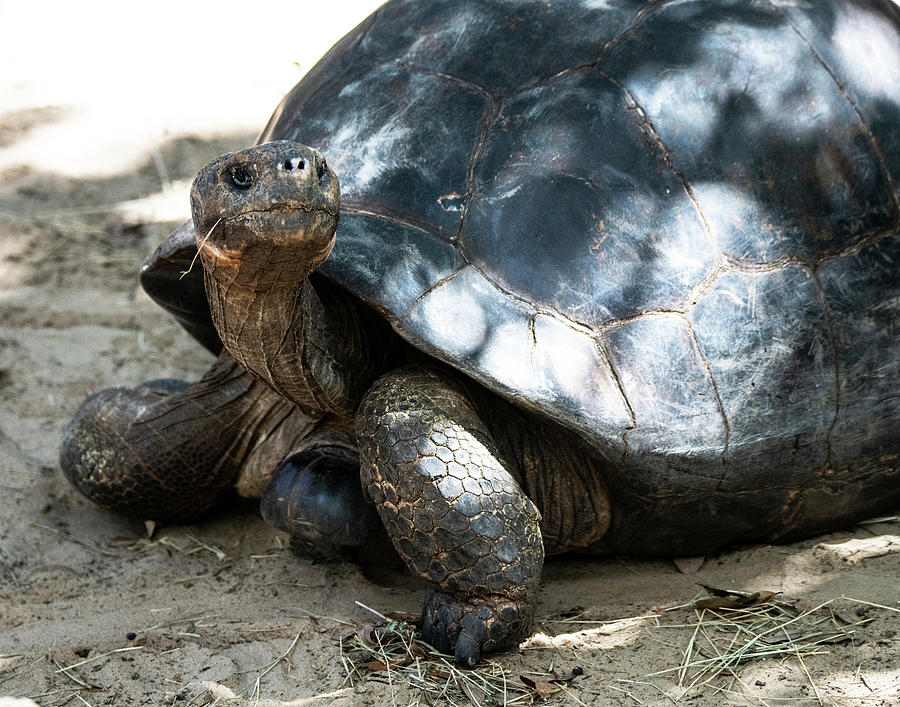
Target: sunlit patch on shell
x=671, y=393
x=865, y=49
x=540, y=357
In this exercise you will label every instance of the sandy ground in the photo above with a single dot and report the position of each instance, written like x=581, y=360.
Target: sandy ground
x=105, y=114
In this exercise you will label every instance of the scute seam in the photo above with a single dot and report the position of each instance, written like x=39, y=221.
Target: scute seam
x=438, y=283
x=636, y=21
x=715, y=386
x=449, y=77
x=601, y=348
x=645, y=125
x=570, y=322
x=353, y=207
x=849, y=98
x=489, y=118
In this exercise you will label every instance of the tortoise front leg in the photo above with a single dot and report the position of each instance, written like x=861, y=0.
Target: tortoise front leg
x=453, y=511
x=167, y=450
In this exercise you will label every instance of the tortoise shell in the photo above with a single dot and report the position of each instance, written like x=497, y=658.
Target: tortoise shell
x=673, y=227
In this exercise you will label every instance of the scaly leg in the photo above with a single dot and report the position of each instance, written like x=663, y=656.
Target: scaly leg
x=452, y=509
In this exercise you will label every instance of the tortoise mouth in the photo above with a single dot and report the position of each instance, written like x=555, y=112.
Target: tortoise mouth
x=279, y=237
x=283, y=213
x=282, y=223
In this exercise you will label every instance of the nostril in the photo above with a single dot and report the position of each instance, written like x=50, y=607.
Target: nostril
x=320, y=168
x=295, y=164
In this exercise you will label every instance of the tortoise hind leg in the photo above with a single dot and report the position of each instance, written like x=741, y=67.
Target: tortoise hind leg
x=167, y=450
x=455, y=514
x=315, y=496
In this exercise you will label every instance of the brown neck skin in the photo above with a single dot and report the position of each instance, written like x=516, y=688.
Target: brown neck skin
x=320, y=352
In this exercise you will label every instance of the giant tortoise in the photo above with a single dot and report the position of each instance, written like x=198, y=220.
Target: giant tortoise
x=602, y=276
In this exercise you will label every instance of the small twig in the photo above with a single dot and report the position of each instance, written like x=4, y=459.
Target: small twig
x=653, y=685
x=78, y=695
x=334, y=694
x=173, y=622
x=72, y=538
x=54, y=692
x=74, y=678
x=285, y=583
x=271, y=667
x=806, y=670
x=221, y=556
x=371, y=610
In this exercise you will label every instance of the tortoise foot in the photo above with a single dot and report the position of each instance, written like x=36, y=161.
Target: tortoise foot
x=315, y=496
x=469, y=626
x=107, y=454
x=166, y=450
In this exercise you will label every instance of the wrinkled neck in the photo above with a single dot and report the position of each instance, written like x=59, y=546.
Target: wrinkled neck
x=315, y=351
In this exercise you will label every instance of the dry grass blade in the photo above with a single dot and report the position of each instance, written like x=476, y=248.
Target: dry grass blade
x=72, y=538
x=199, y=546
x=98, y=657
x=286, y=657
x=391, y=653
x=869, y=603
x=725, y=637
x=882, y=519
x=202, y=243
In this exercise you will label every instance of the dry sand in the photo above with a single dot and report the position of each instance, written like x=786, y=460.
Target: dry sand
x=105, y=114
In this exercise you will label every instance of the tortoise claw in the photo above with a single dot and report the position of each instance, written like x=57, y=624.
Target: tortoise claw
x=468, y=643
x=466, y=627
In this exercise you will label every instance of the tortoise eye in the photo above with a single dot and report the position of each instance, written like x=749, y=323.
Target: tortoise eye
x=320, y=168
x=241, y=177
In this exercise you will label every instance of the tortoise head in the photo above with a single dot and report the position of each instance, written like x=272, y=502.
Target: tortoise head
x=268, y=212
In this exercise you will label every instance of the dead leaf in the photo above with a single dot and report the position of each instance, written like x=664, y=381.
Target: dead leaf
x=475, y=694
x=417, y=649
x=150, y=526
x=366, y=635
x=842, y=616
x=544, y=689
x=121, y=541
x=735, y=600
x=689, y=565
x=858, y=549
x=376, y=665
